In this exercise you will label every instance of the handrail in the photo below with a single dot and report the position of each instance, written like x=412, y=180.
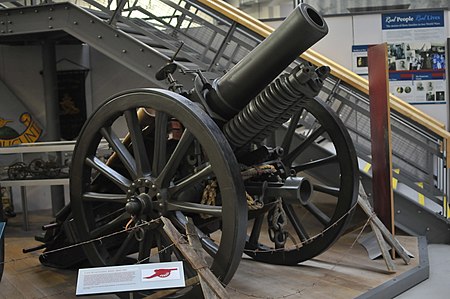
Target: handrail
x=337, y=70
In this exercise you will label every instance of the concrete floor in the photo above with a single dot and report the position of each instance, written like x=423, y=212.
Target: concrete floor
x=437, y=286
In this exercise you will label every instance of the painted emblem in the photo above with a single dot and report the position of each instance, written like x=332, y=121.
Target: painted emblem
x=9, y=136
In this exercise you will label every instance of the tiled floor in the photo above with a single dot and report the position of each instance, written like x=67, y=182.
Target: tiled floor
x=437, y=286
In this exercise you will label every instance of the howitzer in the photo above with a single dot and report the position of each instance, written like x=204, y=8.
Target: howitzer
x=258, y=163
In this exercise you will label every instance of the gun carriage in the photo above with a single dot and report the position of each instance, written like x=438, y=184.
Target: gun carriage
x=211, y=153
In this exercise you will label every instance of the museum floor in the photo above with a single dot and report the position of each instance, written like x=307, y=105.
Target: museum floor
x=344, y=271
x=435, y=287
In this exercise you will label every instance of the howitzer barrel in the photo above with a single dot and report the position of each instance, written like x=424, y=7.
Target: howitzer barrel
x=301, y=29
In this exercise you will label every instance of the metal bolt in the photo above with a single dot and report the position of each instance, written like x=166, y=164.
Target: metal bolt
x=99, y=36
x=2, y=22
x=158, y=195
x=36, y=10
x=9, y=22
x=50, y=18
x=92, y=21
x=51, y=8
x=142, y=50
x=428, y=229
x=124, y=51
x=116, y=35
x=133, y=184
x=10, y=31
x=149, y=65
x=50, y=27
x=75, y=22
x=153, y=187
x=398, y=211
x=3, y=31
x=21, y=12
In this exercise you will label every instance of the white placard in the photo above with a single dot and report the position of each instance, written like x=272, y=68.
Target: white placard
x=130, y=278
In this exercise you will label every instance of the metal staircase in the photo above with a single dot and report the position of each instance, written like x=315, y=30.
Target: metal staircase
x=212, y=36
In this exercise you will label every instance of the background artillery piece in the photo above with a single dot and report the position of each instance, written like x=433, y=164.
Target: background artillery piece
x=237, y=154
x=37, y=168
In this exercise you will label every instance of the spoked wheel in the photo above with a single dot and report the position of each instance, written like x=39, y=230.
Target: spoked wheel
x=37, y=168
x=18, y=171
x=166, y=152
x=318, y=147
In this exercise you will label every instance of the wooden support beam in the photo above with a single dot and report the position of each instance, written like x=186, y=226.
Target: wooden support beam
x=363, y=202
x=194, y=241
x=381, y=232
x=192, y=257
x=380, y=129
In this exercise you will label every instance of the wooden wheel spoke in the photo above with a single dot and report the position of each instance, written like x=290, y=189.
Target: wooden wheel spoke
x=256, y=229
x=160, y=143
x=120, y=150
x=145, y=246
x=112, y=226
x=317, y=213
x=296, y=224
x=191, y=180
x=122, y=182
x=287, y=140
x=303, y=146
x=316, y=163
x=137, y=143
x=164, y=251
x=121, y=252
x=327, y=189
x=191, y=207
x=177, y=156
x=104, y=197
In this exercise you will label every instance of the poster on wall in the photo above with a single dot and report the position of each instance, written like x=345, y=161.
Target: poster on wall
x=359, y=59
x=72, y=102
x=416, y=55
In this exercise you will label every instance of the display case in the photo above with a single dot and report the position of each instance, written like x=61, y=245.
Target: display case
x=35, y=164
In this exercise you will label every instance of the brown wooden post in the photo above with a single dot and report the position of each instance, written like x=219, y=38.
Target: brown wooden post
x=380, y=129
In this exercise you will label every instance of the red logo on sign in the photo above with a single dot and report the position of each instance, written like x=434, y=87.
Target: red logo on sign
x=161, y=273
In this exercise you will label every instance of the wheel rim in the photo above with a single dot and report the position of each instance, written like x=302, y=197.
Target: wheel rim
x=148, y=180
x=319, y=123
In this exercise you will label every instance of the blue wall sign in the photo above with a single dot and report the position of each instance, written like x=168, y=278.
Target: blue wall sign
x=408, y=20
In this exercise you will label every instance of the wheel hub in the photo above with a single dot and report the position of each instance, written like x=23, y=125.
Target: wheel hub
x=144, y=197
x=138, y=205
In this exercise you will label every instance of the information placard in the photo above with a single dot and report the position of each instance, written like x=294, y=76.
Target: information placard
x=130, y=278
x=416, y=55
